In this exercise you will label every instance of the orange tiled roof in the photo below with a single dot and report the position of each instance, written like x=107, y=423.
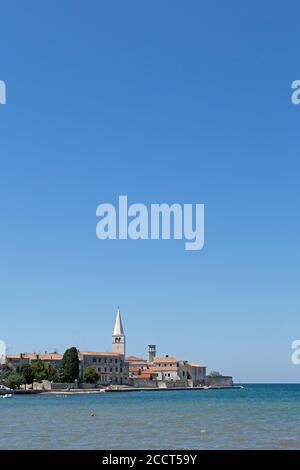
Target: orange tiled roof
x=134, y=369
x=88, y=353
x=134, y=359
x=34, y=356
x=139, y=363
x=145, y=375
x=164, y=360
x=158, y=369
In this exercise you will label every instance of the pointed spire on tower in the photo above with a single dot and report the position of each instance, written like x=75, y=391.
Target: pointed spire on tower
x=118, y=330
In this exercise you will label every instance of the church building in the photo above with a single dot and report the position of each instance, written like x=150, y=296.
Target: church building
x=111, y=366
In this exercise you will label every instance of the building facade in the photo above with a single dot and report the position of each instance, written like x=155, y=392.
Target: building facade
x=26, y=358
x=111, y=366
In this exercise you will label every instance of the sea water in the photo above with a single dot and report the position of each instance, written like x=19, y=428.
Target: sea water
x=255, y=417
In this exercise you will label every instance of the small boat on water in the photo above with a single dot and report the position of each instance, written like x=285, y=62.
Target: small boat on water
x=7, y=395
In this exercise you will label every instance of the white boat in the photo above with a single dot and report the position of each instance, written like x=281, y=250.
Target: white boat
x=5, y=392
x=3, y=388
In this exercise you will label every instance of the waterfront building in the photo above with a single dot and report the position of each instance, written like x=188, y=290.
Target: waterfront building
x=166, y=368
x=111, y=366
x=54, y=358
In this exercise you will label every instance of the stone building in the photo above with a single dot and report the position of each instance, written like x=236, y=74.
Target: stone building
x=166, y=368
x=111, y=366
x=196, y=373
x=26, y=358
x=170, y=369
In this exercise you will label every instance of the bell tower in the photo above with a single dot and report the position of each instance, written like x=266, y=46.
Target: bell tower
x=118, y=337
x=151, y=352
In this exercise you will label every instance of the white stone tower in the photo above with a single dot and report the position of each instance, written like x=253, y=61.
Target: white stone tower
x=118, y=337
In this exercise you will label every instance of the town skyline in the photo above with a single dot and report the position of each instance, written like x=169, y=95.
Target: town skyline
x=160, y=349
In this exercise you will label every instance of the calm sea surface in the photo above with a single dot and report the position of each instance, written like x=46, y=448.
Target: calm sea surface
x=258, y=416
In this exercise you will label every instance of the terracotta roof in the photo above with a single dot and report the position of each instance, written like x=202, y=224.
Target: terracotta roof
x=145, y=375
x=139, y=363
x=158, y=369
x=136, y=359
x=47, y=357
x=164, y=360
x=133, y=358
x=134, y=369
x=34, y=356
x=88, y=353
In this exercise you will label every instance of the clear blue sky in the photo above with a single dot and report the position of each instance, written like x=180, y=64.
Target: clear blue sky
x=165, y=101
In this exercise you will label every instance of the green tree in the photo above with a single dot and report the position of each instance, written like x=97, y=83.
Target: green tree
x=52, y=373
x=90, y=375
x=5, y=370
x=215, y=373
x=70, y=365
x=39, y=369
x=14, y=380
x=26, y=371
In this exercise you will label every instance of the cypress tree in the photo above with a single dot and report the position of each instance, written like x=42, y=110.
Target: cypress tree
x=70, y=365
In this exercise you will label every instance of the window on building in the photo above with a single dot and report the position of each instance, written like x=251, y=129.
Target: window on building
x=121, y=369
x=116, y=361
x=104, y=369
x=110, y=370
x=99, y=369
x=94, y=359
x=116, y=369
